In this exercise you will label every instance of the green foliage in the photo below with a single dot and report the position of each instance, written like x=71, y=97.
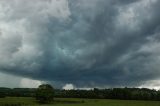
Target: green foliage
x=112, y=93
x=115, y=93
x=45, y=93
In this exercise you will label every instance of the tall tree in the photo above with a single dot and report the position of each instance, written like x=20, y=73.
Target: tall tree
x=45, y=93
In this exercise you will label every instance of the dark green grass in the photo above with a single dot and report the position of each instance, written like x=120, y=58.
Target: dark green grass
x=77, y=102
x=18, y=100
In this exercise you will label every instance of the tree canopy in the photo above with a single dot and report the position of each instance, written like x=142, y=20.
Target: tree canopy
x=45, y=93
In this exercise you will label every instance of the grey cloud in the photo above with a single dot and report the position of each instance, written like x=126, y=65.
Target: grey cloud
x=84, y=42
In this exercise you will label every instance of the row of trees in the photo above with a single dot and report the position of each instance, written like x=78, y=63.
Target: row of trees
x=43, y=94
x=115, y=93
x=46, y=92
x=17, y=92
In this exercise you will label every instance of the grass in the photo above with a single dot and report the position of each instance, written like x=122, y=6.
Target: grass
x=25, y=101
x=17, y=100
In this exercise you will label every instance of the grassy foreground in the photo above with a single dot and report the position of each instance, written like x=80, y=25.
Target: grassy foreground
x=25, y=101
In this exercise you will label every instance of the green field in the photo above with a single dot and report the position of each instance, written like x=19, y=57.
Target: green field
x=76, y=102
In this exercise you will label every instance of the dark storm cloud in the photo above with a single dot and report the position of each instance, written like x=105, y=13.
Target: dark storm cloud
x=84, y=42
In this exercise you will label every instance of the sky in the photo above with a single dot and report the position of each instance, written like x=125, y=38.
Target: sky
x=80, y=43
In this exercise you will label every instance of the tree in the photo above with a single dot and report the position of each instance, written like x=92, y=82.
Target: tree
x=45, y=93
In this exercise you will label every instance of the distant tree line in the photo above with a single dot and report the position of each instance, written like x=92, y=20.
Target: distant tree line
x=113, y=93
x=17, y=92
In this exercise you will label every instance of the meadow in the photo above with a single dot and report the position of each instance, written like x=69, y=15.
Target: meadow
x=27, y=101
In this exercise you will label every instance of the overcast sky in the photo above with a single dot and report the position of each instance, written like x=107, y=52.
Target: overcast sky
x=81, y=43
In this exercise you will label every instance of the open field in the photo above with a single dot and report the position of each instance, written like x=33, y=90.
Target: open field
x=25, y=101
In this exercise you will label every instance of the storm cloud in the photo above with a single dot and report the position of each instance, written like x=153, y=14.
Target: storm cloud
x=83, y=42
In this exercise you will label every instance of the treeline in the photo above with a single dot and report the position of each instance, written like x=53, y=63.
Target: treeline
x=17, y=92
x=115, y=93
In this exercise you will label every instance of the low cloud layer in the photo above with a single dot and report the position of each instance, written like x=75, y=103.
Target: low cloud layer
x=84, y=42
